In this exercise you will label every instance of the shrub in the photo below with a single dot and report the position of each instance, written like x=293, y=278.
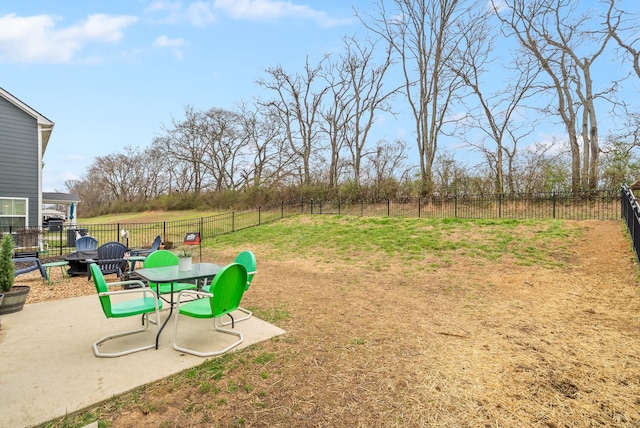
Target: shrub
x=7, y=268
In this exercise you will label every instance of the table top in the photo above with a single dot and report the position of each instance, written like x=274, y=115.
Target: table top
x=82, y=255
x=172, y=274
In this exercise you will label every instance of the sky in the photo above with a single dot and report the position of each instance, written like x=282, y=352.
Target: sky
x=110, y=73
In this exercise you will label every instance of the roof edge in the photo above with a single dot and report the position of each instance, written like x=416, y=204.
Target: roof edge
x=42, y=120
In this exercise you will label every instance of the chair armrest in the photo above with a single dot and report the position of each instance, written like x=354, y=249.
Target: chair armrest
x=193, y=293
x=128, y=282
x=140, y=252
x=145, y=290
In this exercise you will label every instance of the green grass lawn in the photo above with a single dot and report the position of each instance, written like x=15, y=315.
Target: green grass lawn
x=428, y=248
x=371, y=239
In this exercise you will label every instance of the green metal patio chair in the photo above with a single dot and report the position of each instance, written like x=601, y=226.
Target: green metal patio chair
x=140, y=306
x=226, y=291
x=248, y=260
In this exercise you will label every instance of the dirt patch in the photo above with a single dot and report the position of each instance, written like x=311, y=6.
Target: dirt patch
x=469, y=344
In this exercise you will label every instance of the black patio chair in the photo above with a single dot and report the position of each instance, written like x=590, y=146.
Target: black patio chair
x=146, y=251
x=110, y=259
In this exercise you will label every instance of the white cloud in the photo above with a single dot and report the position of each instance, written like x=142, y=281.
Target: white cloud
x=35, y=38
x=198, y=13
x=201, y=13
x=256, y=10
x=163, y=6
x=175, y=45
x=165, y=42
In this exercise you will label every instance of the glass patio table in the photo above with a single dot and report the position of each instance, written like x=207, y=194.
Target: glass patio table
x=171, y=274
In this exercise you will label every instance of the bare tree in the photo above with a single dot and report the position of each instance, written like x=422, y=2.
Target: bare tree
x=116, y=172
x=498, y=115
x=178, y=173
x=386, y=162
x=620, y=163
x=624, y=28
x=128, y=176
x=268, y=158
x=542, y=168
x=90, y=191
x=298, y=103
x=424, y=34
x=450, y=177
x=223, y=137
x=357, y=85
x=337, y=115
x=553, y=33
x=184, y=146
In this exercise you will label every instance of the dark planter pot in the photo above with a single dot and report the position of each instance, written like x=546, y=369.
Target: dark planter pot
x=14, y=299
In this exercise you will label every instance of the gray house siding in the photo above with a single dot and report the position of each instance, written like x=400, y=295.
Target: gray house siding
x=19, y=157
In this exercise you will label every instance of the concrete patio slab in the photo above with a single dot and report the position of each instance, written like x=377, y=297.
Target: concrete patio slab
x=48, y=369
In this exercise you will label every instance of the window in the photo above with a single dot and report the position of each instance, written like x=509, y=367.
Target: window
x=13, y=213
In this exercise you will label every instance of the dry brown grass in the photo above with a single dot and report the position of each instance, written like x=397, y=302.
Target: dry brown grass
x=468, y=344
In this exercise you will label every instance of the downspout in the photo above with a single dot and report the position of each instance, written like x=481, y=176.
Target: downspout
x=41, y=166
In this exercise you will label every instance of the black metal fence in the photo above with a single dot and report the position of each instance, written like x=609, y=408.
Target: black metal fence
x=597, y=205
x=59, y=239
x=631, y=213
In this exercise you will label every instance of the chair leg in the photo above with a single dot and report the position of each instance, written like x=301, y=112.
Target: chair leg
x=97, y=352
x=206, y=354
x=246, y=311
x=152, y=321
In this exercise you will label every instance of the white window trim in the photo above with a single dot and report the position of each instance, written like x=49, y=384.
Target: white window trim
x=26, y=215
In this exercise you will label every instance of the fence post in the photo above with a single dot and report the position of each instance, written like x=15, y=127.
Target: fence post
x=500, y=205
x=388, y=207
x=361, y=207
x=202, y=233
x=419, y=207
x=282, y=209
x=553, y=199
x=259, y=215
x=455, y=206
x=233, y=221
x=338, y=206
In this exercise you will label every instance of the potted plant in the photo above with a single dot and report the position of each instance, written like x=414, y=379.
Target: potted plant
x=14, y=295
x=185, y=258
